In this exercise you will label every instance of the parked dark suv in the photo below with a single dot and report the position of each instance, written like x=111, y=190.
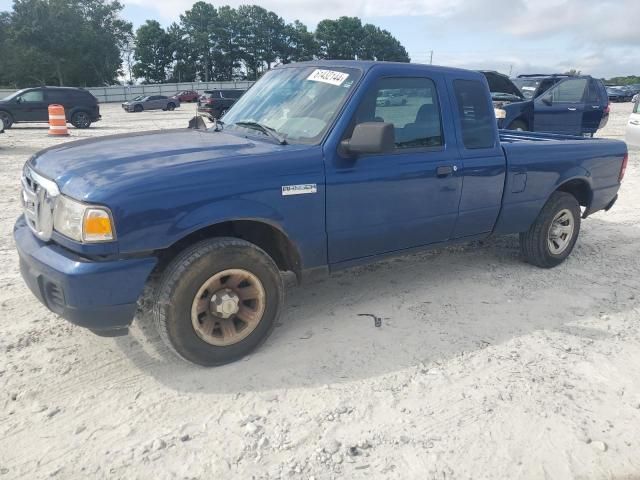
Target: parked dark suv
x=532, y=85
x=568, y=104
x=32, y=104
x=215, y=103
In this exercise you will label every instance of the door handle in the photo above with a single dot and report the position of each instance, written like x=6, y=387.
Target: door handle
x=444, y=171
x=595, y=106
x=572, y=109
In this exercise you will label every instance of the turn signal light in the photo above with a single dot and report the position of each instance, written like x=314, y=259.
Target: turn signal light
x=97, y=226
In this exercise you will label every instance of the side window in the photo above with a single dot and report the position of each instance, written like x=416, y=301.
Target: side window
x=411, y=105
x=593, y=95
x=33, y=96
x=569, y=91
x=477, y=120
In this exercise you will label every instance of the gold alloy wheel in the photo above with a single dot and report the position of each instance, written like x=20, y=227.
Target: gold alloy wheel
x=228, y=307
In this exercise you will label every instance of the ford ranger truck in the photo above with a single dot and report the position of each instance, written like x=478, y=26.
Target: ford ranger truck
x=310, y=174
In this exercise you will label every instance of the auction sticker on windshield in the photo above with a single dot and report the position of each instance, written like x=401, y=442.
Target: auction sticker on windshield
x=328, y=76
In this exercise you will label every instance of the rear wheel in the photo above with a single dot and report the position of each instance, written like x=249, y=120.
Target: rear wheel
x=171, y=106
x=7, y=119
x=81, y=120
x=218, y=300
x=553, y=235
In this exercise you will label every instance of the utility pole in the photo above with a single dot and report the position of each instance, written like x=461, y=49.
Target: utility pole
x=510, y=69
x=431, y=58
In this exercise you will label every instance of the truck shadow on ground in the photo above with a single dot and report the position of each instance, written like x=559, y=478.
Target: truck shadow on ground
x=430, y=307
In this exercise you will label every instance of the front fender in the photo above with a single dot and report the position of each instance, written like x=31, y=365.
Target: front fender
x=224, y=211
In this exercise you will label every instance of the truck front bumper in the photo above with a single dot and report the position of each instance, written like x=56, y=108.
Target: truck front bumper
x=98, y=295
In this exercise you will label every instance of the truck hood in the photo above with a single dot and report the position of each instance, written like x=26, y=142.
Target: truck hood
x=84, y=168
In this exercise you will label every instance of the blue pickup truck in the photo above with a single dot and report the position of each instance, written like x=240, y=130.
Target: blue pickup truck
x=308, y=173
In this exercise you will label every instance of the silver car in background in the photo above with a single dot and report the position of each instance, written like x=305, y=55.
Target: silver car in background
x=633, y=126
x=151, y=102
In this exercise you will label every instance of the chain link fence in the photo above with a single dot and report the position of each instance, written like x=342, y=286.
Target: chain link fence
x=120, y=93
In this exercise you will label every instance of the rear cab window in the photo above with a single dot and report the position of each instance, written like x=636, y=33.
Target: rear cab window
x=477, y=119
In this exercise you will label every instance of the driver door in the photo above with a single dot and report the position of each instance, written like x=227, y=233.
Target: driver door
x=31, y=106
x=560, y=109
x=380, y=203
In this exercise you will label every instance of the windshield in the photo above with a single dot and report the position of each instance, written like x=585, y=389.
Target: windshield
x=297, y=103
x=138, y=98
x=528, y=87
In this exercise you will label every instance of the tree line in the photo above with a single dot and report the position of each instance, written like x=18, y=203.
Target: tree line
x=87, y=43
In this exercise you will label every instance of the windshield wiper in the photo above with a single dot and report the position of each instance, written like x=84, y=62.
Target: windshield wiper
x=264, y=129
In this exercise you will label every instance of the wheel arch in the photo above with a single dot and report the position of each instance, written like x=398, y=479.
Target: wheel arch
x=581, y=190
x=260, y=232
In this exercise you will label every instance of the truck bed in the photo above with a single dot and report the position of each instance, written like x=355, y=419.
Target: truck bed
x=539, y=163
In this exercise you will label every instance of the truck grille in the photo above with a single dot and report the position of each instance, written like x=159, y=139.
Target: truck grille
x=38, y=200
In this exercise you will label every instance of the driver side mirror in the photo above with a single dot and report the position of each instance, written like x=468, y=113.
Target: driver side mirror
x=370, y=137
x=547, y=100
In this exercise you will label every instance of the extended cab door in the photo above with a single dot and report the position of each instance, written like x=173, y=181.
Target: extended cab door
x=381, y=203
x=483, y=161
x=560, y=109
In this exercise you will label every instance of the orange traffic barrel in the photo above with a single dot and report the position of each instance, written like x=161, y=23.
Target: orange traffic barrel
x=57, y=121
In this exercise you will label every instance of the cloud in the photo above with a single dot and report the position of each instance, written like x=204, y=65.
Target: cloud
x=594, y=36
x=589, y=21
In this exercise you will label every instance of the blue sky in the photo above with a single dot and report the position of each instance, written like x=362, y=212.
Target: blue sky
x=599, y=37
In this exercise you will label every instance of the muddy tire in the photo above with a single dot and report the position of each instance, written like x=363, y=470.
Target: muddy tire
x=218, y=300
x=553, y=235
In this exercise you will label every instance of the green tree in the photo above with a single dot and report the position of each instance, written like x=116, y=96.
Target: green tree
x=227, y=57
x=299, y=44
x=378, y=44
x=184, y=65
x=199, y=25
x=74, y=42
x=339, y=39
x=260, y=38
x=346, y=38
x=152, y=53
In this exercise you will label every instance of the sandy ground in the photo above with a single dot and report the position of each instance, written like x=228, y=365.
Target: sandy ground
x=484, y=367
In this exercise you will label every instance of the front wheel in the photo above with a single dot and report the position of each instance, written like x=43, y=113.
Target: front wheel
x=218, y=301
x=171, y=107
x=553, y=235
x=7, y=119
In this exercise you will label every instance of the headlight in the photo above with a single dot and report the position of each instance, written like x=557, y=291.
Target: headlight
x=81, y=222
